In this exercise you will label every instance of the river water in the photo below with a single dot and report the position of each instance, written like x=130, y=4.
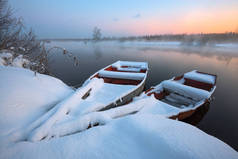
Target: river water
x=166, y=60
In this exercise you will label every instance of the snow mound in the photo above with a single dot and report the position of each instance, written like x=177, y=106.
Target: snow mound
x=7, y=59
x=135, y=136
x=25, y=96
x=19, y=61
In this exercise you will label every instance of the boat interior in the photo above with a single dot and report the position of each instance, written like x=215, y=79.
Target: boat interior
x=179, y=99
x=123, y=73
x=173, y=98
x=197, y=84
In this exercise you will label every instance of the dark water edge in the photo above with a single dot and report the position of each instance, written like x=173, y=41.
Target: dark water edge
x=166, y=60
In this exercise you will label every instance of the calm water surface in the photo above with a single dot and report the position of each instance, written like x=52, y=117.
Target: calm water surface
x=165, y=61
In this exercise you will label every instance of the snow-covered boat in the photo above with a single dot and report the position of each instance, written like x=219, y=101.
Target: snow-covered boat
x=179, y=97
x=111, y=86
x=122, y=81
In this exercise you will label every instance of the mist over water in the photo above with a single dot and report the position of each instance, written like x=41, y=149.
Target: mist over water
x=166, y=60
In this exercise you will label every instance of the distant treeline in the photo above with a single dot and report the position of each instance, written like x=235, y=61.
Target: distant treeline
x=186, y=38
x=199, y=39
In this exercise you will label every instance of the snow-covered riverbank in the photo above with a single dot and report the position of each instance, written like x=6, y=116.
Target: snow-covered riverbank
x=24, y=97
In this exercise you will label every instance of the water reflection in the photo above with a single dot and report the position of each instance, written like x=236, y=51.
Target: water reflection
x=97, y=51
x=223, y=54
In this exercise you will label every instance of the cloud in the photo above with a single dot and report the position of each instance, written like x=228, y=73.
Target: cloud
x=136, y=16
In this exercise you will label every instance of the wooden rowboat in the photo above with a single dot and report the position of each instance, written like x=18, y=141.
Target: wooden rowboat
x=111, y=86
x=181, y=96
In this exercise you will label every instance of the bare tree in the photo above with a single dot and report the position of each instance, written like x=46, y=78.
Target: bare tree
x=15, y=37
x=97, y=34
x=13, y=33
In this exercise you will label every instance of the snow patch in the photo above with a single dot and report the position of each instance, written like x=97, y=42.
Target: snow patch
x=200, y=77
x=19, y=61
x=130, y=64
x=24, y=97
x=194, y=93
x=7, y=59
x=122, y=75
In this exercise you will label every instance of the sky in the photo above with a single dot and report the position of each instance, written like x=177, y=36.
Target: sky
x=77, y=18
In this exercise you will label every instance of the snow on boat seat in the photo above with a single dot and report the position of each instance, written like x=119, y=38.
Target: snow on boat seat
x=202, y=77
x=187, y=91
x=130, y=66
x=121, y=75
x=200, y=80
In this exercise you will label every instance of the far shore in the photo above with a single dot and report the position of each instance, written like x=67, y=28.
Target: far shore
x=202, y=39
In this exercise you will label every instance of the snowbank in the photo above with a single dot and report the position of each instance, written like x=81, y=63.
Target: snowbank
x=24, y=97
x=7, y=59
x=19, y=61
x=135, y=136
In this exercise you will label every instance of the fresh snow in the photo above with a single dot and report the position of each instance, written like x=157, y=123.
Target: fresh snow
x=7, y=59
x=122, y=75
x=129, y=69
x=6, y=55
x=74, y=106
x=19, y=61
x=26, y=104
x=82, y=122
x=133, y=67
x=130, y=64
x=194, y=93
x=135, y=136
x=2, y=62
x=25, y=96
x=200, y=77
